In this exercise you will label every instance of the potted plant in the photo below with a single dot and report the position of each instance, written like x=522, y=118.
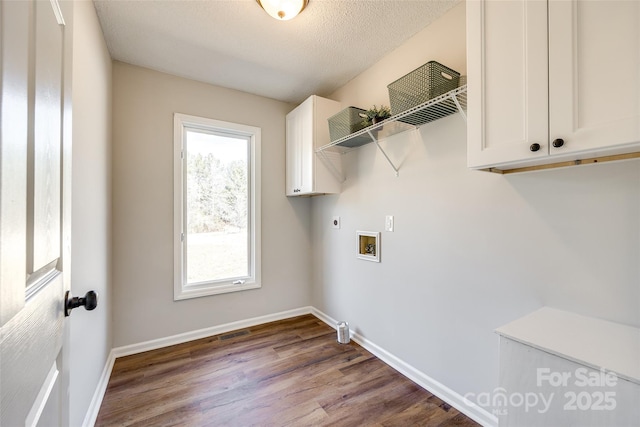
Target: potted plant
x=375, y=115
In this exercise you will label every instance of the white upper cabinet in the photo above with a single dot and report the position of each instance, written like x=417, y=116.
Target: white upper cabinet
x=552, y=81
x=307, y=129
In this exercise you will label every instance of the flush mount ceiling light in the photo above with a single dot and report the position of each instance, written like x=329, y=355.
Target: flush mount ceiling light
x=283, y=10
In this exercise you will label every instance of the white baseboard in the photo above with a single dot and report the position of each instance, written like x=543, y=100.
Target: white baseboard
x=443, y=392
x=474, y=412
x=207, y=332
x=96, y=401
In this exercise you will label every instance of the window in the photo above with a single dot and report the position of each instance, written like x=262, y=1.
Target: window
x=216, y=207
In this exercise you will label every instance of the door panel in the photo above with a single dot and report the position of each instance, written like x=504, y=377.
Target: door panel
x=292, y=153
x=32, y=341
x=46, y=149
x=50, y=396
x=594, y=64
x=34, y=198
x=507, y=75
x=47, y=401
x=13, y=159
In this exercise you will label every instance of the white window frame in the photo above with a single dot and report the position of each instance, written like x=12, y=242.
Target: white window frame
x=182, y=290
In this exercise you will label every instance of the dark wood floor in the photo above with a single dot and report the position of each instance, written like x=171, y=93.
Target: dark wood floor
x=286, y=373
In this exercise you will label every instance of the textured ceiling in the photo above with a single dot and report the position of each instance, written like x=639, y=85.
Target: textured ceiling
x=235, y=44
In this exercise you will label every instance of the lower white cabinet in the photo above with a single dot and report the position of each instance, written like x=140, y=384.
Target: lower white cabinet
x=562, y=369
x=307, y=172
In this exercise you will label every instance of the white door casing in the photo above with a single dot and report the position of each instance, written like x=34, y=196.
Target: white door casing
x=35, y=168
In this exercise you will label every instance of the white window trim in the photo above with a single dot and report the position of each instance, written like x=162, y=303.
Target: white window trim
x=181, y=290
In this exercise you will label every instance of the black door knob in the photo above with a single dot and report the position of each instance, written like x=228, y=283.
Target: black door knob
x=558, y=142
x=534, y=147
x=89, y=300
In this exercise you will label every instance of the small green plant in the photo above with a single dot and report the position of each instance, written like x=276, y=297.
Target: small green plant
x=375, y=115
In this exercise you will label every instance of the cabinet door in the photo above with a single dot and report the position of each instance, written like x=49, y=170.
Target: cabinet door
x=299, y=146
x=292, y=155
x=507, y=81
x=594, y=74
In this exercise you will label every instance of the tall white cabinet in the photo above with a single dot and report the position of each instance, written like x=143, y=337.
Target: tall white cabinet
x=309, y=173
x=552, y=81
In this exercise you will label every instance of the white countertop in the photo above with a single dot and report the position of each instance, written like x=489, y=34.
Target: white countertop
x=592, y=342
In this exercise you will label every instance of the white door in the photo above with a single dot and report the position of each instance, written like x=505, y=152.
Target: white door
x=34, y=213
x=507, y=81
x=594, y=69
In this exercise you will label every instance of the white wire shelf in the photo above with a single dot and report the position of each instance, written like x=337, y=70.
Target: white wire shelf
x=454, y=101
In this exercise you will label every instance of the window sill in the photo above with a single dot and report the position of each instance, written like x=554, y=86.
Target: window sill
x=203, y=291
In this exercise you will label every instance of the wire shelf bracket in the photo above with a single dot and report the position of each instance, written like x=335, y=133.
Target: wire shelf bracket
x=454, y=101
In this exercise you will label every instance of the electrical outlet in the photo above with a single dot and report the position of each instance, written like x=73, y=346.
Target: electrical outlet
x=335, y=222
x=388, y=223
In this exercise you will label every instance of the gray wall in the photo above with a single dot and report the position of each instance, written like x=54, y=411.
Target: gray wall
x=144, y=309
x=91, y=207
x=471, y=250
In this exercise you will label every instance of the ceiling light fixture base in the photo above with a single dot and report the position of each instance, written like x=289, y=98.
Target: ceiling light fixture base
x=283, y=10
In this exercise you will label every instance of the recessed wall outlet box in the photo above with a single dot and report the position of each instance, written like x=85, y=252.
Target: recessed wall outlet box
x=368, y=245
x=335, y=222
x=388, y=223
